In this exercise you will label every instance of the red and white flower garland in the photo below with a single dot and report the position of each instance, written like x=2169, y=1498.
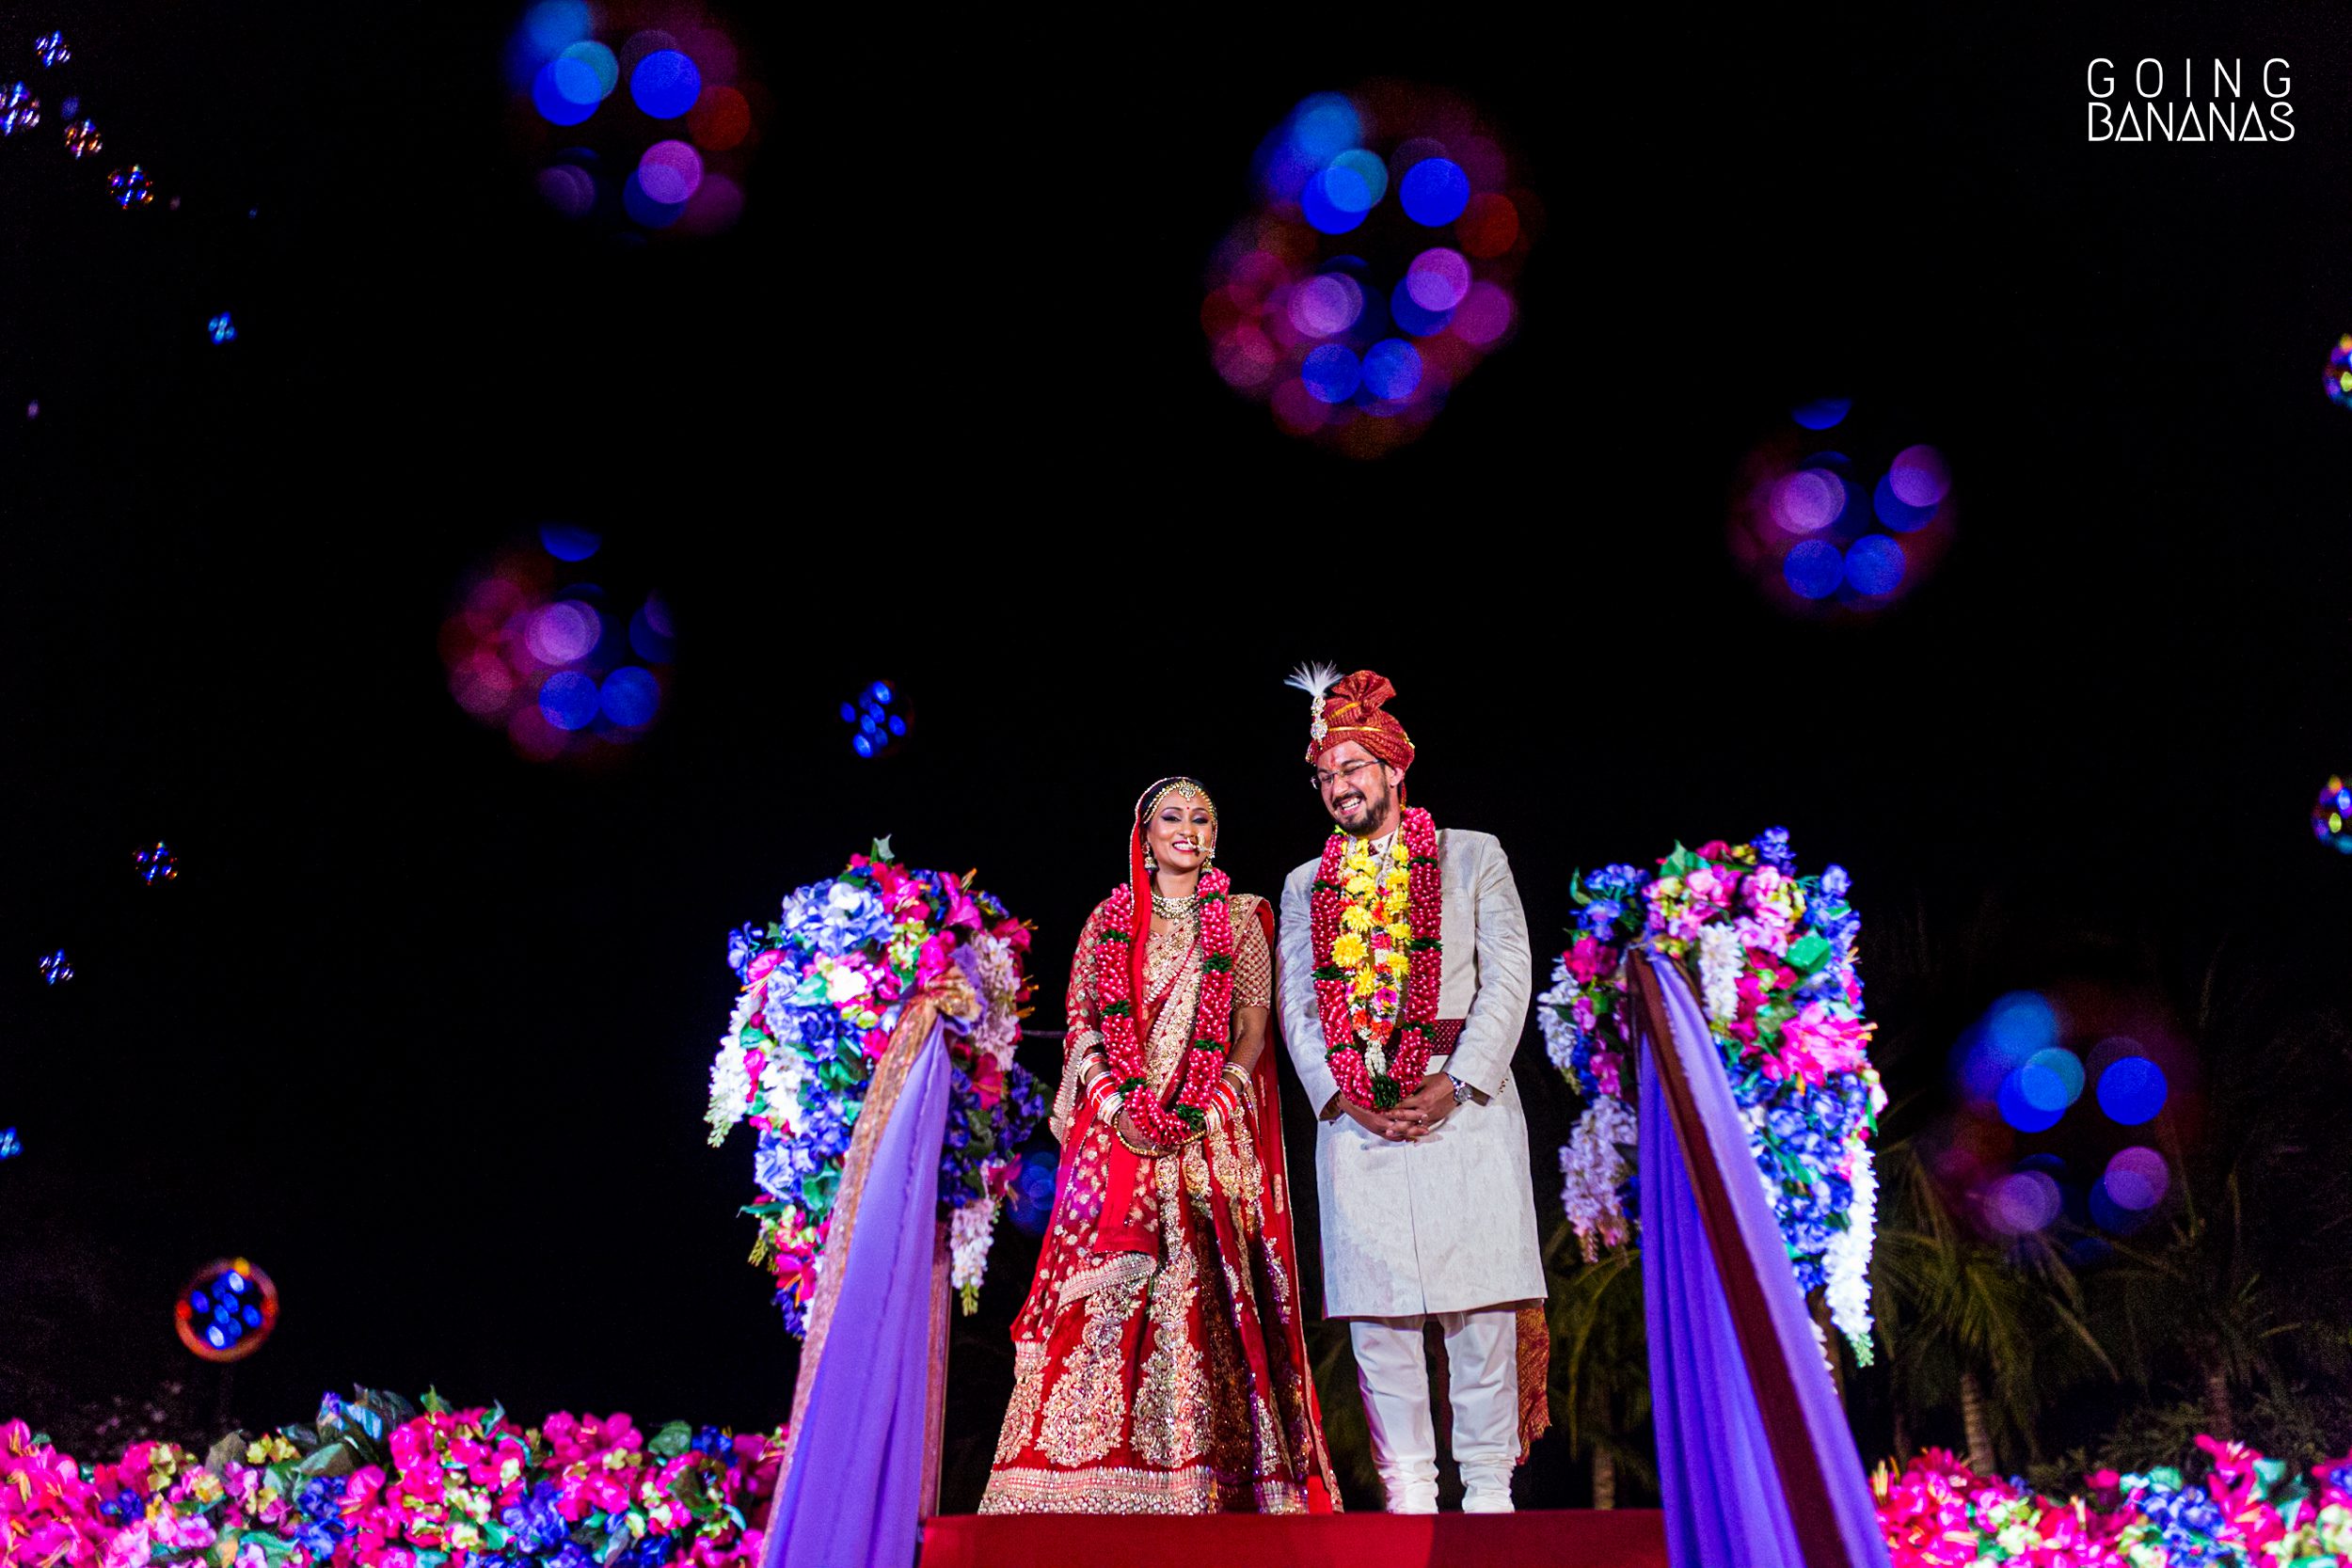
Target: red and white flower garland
x=1203, y=1067
x=1380, y=1087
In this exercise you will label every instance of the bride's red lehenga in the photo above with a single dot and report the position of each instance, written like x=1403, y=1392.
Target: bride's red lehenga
x=1160, y=1364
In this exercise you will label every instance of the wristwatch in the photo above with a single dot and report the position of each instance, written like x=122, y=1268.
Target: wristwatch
x=1461, y=1089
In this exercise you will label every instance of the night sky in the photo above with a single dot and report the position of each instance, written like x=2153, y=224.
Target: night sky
x=422, y=1027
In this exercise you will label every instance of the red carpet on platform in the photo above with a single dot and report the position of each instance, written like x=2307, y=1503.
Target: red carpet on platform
x=1578, y=1537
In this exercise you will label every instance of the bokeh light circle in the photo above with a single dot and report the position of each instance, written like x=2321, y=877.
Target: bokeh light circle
x=568, y=700
x=2021, y=1111
x=1392, y=370
x=1821, y=413
x=643, y=208
x=2136, y=1179
x=550, y=97
x=629, y=697
x=1489, y=225
x=2051, y=1079
x=597, y=62
x=720, y=119
x=2022, y=1202
x=1434, y=192
x=225, y=1310
x=1332, y=372
x=1324, y=209
x=1874, y=565
x=1807, y=500
x=670, y=172
x=568, y=541
x=1813, y=569
x=1483, y=315
x=554, y=25
x=1325, y=305
x=1438, y=278
x=1411, y=317
x=568, y=188
x=665, y=83
x=2131, y=1089
x=1918, y=476
x=1359, y=181
x=564, y=632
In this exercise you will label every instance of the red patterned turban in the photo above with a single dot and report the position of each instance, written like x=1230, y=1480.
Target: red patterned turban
x=1351, y=709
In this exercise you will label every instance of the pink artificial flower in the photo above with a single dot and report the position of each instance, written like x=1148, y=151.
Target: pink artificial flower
x=937, y=956
x=900, y=894
x=361, y=1489
x=1714, y=849
x=1582, y=1011
x=875, y=1042
x=988, y=1079
x=1760, y=887
x=1716, y=887
x=1604, y=1065
x=962, y=910
x=1766, y=939
x=2324, y=1472
x=764, y=965
x=1013, y=931
x=1591, y=959
x=1813, y=1045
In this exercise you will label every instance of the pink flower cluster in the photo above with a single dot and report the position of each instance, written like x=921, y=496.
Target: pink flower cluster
x=363, y=1488
x=1940, y=1513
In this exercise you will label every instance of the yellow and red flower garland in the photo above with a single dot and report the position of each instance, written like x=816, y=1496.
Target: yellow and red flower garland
x=1204, y=1061
x=1379, y=1050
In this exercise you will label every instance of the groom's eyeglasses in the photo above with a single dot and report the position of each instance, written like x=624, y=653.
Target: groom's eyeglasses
x=1323, y=780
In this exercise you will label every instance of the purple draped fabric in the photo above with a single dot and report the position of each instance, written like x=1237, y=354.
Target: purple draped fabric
x=1756, y=1463
x=852, y=1497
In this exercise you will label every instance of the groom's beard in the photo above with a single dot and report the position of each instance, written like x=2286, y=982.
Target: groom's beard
x=1365, y=816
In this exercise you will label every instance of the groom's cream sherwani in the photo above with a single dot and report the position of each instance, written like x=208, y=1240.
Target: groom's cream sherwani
x=1445, y=1223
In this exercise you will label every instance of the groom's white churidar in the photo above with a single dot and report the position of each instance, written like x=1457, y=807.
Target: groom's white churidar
x=1441, y=1225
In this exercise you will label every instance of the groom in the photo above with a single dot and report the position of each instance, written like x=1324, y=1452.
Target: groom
x=1404, y=986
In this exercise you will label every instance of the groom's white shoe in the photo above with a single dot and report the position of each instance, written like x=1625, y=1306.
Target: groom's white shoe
x=1413, y=1499
x=1486, y=1491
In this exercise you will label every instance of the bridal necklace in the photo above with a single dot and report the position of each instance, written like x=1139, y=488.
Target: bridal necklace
x=1176, y=909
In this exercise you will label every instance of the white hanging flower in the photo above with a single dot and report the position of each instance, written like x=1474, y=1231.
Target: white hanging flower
x=782, y=1079
x=968, y=1232
x=730, y=1083
x=730, y=1092
x=1560, y=1035
x=1591, y=1172
x=1846, y=1262
x=1721, y=959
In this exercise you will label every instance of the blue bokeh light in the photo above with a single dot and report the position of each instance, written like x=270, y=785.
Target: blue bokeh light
x=1325, y=210
x=569, y=700
x=2113, y=1217
x=2020, y=1111
x=547, y=96
x=629, y=697
x=598, y=60
x=1434, y=192
x=1411, y=319
x=1895, y=512
x=1331, y=373
x=644, y=210
x=1392, y=370
x=1358, y=181
x=1821, y=413
x=1324, y=126
x=2051, y=1079
x=568, y=541
x=665, y=83
x=1813, y=569
x=553, y=23
x=2012, y=1031
x=652, y=646
x=2132, y=1090
x=1875, y=565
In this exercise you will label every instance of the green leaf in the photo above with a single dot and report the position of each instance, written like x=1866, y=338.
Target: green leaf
x=1808, y=951
x=881, y=850
x=672, y=1440
x=1681, y=863
x=222, y=1453
x=435, y=1405
x=335, y=1459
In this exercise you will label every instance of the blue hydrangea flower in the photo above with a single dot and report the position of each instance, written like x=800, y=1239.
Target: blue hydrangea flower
x=853, y=918
x=772, y=1166
x=1772, y=848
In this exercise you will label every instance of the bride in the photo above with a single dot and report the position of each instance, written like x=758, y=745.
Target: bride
x=1159, y=1363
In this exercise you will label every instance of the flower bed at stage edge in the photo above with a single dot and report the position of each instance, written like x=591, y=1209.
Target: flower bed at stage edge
x=824, y=987
x=2249, y=1513
x=377, y=1483
x=1773, y=956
